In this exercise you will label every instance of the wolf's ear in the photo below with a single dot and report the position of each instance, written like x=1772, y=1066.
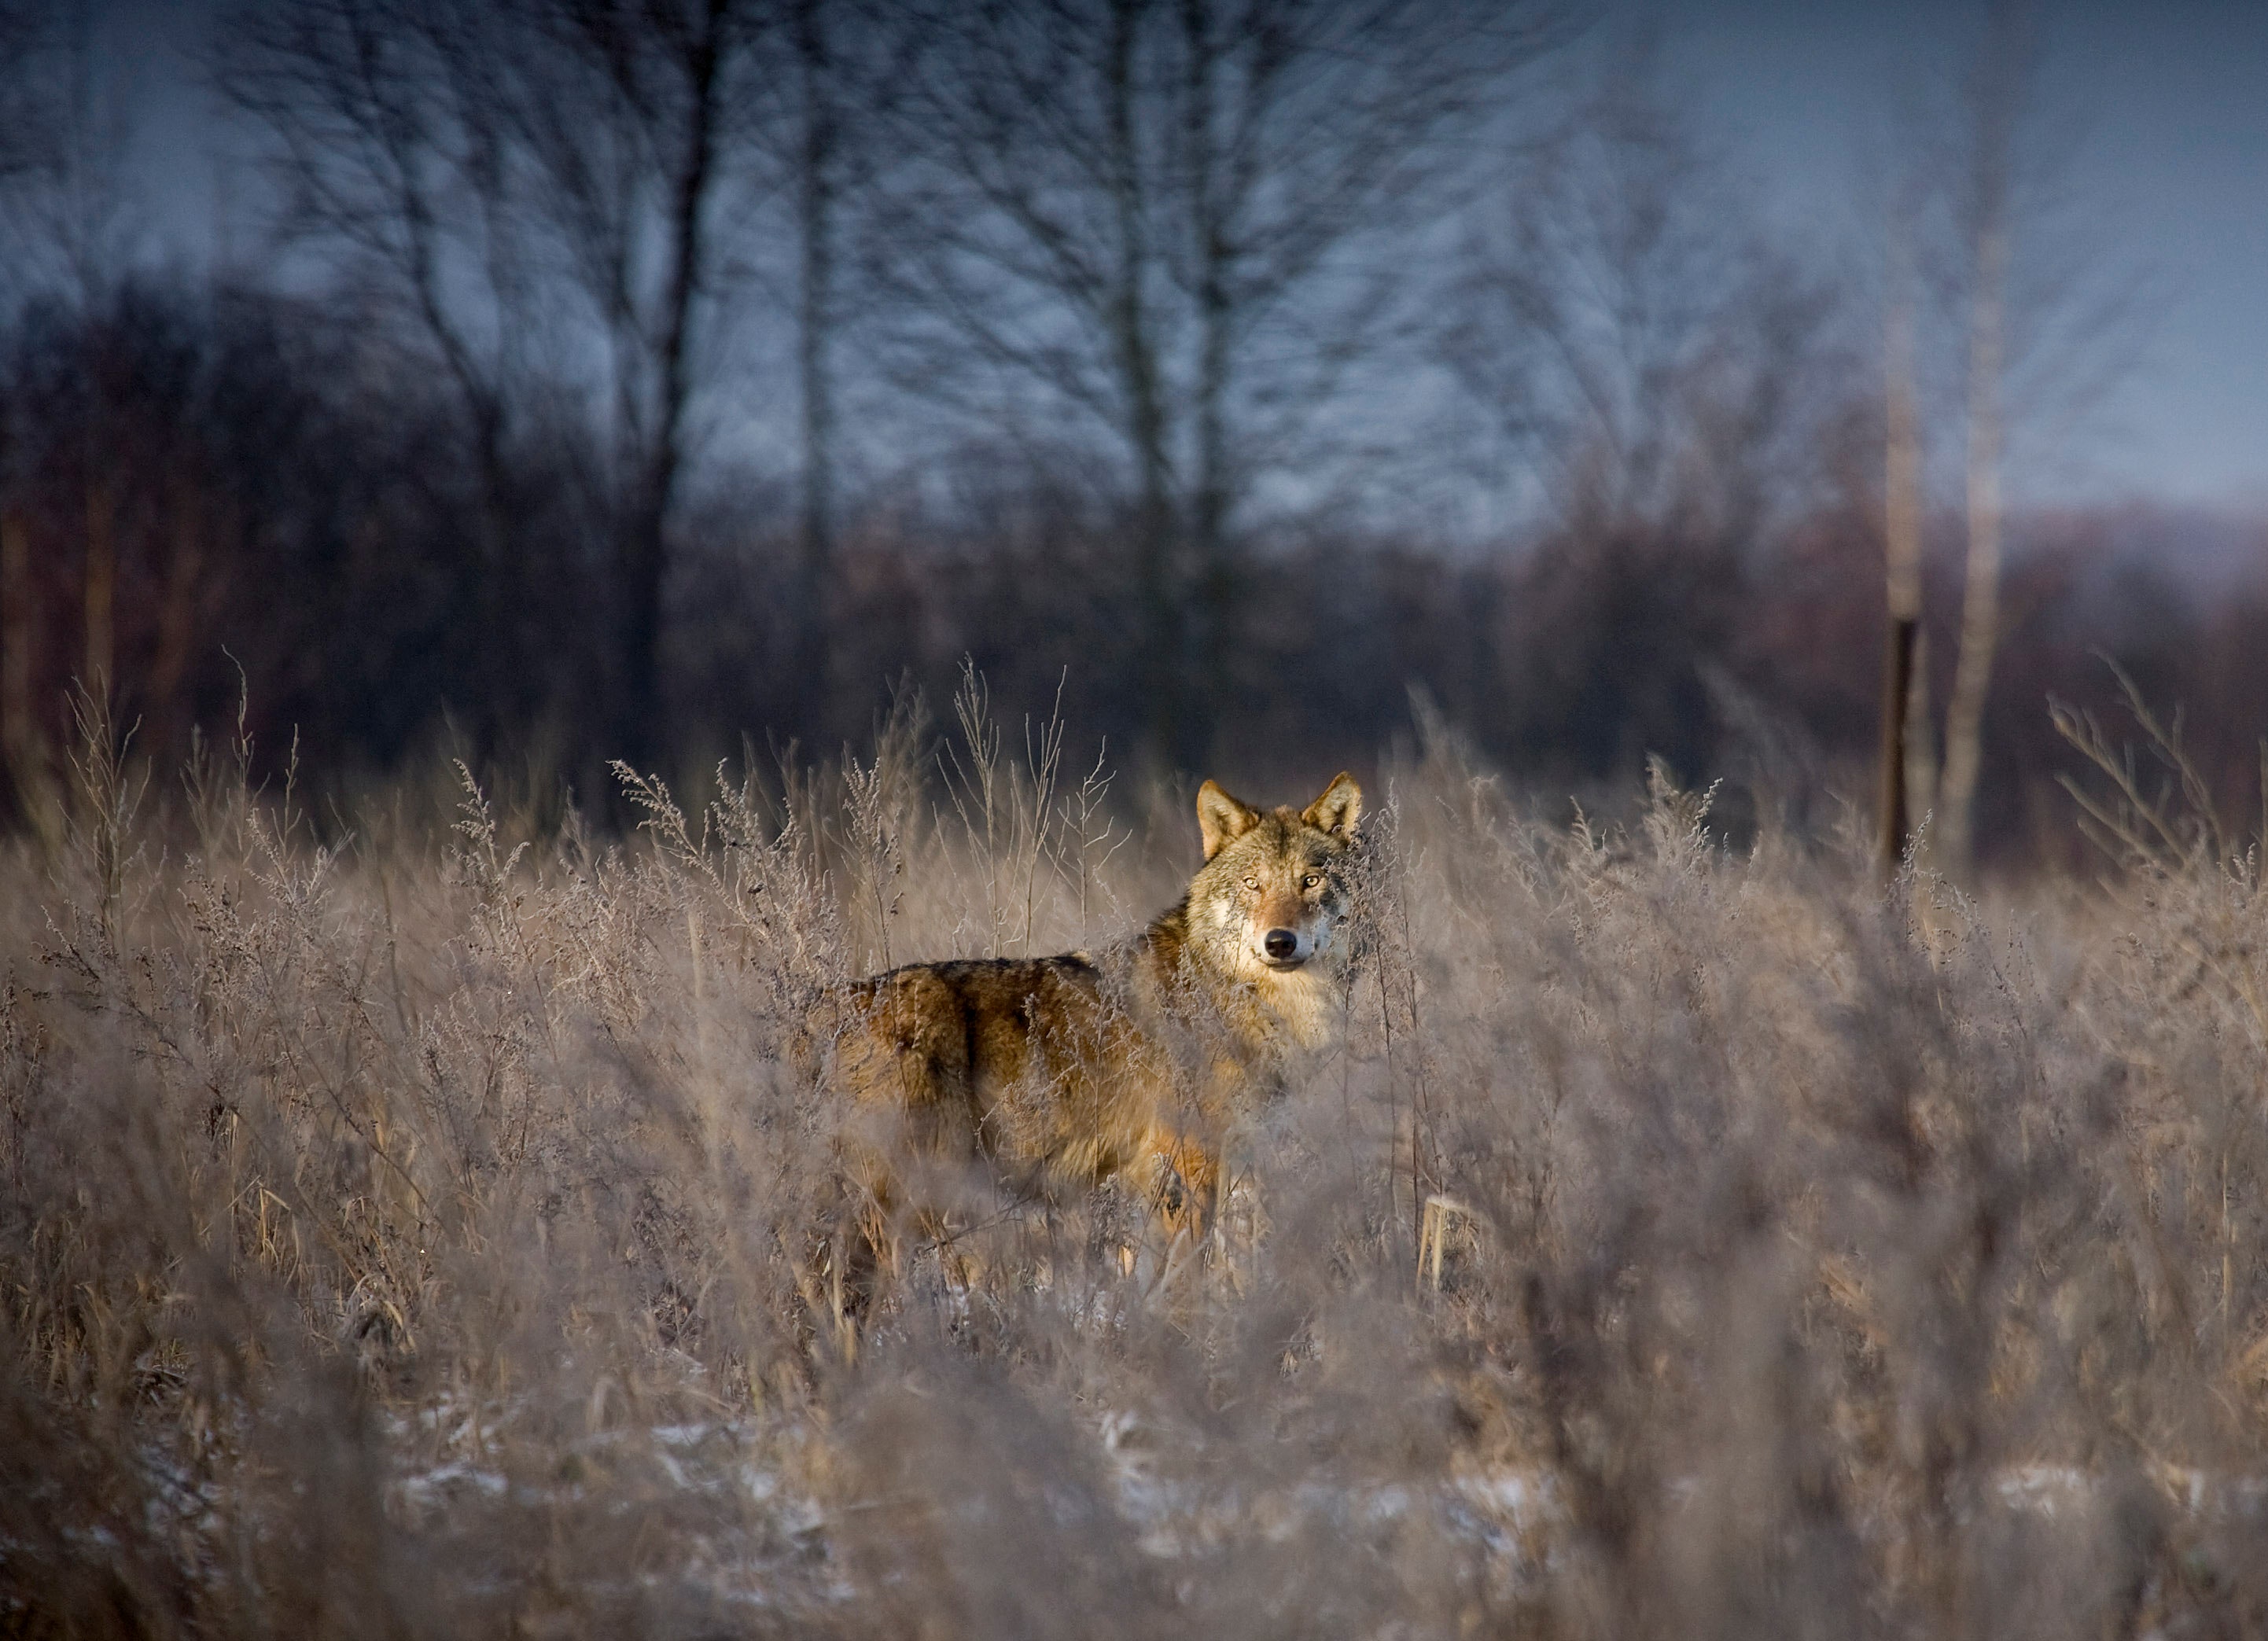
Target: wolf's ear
x=1338, y=809
x=1221, y=819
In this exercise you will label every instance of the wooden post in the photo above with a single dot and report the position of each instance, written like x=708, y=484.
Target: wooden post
x=1902, y=548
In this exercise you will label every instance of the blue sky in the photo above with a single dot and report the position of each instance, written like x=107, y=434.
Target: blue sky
x=2163, y=107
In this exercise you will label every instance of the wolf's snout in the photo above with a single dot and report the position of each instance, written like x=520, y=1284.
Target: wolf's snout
x=1280, y=943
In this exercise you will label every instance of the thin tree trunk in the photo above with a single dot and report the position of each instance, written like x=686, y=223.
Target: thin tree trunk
x=1898, y=700
x=644, y=550
x=502, y=586
x=16, y=629
x=1921, y=746
x=814, y=609
x=1211, y=580
x=181, y=604
x=1980, y=608
x=505, y=585
x=1163, y=683
x=1902, y=553
x=99, y=588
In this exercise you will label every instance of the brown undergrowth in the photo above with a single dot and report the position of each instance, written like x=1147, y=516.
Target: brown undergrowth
x=412, y=1229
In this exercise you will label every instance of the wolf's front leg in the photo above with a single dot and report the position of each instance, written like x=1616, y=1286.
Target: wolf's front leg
x=1185, y=1188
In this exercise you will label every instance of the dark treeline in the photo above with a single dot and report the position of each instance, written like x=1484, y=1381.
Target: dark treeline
x=647, y=379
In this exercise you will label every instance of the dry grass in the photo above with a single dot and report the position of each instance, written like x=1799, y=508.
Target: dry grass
x=414, y=1233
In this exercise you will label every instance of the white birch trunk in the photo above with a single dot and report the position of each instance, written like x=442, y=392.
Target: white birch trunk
x=1980, y=608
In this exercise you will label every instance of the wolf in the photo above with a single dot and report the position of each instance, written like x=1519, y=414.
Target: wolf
x=1047, y=1076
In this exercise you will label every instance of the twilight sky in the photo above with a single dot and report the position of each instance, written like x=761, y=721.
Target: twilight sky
x=2162, y=107
x=2165, y=103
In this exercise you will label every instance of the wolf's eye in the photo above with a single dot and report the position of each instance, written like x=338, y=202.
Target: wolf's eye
x=1253, y=884
x=1309, y=881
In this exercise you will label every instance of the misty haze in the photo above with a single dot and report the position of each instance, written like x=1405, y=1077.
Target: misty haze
x=542, y=541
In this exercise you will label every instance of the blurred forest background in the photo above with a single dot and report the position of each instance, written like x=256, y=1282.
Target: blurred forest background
x=559, y=381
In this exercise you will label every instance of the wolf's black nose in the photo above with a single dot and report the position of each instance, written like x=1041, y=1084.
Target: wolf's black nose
x=1280, y=943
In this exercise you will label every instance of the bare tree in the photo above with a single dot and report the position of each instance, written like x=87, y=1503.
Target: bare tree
x=26, y=125
x=2047, y=319
x=1640, y=349
x=816, y=202
x=1996, y=97
x=1655, y=376
x=1165, y=222
x=69, y=222
x=665, y=73
x=538, y=183
x=391, y=161
x=831, y=65
x=68, y=232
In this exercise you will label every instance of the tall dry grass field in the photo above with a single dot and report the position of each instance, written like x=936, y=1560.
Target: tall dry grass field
x=416, y=1224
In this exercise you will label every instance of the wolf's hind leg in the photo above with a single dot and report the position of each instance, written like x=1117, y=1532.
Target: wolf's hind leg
x=853, y=1259
x=1186, y=1186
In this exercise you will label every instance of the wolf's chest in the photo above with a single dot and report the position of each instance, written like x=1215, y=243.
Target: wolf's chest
x=1303, y=1007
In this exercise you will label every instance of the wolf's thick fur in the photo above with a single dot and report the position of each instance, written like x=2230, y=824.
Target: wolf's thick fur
x=1044, y=1074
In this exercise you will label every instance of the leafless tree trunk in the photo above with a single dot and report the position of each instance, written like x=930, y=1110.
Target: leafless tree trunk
x=1998, y=86
x=18, y=752
x=507, y=170
x=99, y=586
x=63, y=135
x=1980, y=606
x=696, y=48
x=1163, y=607
x=392, y=160
x=817, y=206
x=1903, y=678
x=98, y=447
x=1637, y=342
x=1213, y=574
x=1141, y=215
x=182, y=600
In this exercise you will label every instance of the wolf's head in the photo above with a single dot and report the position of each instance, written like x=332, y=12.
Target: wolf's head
x=1272, y=893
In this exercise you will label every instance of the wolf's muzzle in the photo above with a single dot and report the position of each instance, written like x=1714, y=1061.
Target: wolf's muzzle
x=1281, y=945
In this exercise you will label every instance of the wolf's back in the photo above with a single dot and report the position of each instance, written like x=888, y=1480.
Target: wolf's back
x=1030, y=1063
